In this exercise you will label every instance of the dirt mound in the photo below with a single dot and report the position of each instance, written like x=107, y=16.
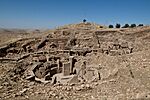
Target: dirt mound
x=84, y=61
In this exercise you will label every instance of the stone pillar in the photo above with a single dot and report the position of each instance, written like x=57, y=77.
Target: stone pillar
x=58, y=66
x=61, y=45
x=66, y=69
x=47, y=57
x=71, y=58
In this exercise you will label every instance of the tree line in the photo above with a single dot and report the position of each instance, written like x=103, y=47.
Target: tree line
x=125, y=26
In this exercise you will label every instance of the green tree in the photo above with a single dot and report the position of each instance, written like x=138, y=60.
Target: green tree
x=118, y=25
x=126, y=26
x=133, y=25
x=140, y=25
x=111, y=26
x=84, y=20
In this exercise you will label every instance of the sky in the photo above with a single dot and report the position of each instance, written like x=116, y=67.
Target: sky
x=53, y=13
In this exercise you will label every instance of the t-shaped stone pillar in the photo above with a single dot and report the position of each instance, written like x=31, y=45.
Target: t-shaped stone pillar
x=66, y=69
x=58, y=65
x=71, y=58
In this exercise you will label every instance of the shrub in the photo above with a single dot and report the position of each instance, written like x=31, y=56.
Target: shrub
x=126, y=26
x=111, y=26
x=118, y=25
x=133, y=25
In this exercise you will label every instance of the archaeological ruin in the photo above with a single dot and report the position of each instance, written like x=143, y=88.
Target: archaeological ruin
x=78, y=55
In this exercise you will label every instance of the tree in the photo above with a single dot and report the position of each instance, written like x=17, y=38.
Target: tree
x=133, y=25
x=140, y=25
x=111, y=26
x=118, y=25
x=84, y=20
x=126, y=26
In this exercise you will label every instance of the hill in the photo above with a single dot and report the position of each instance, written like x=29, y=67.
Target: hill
x=76, y=61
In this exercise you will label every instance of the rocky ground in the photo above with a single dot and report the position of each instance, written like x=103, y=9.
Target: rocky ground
x=122, y=60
